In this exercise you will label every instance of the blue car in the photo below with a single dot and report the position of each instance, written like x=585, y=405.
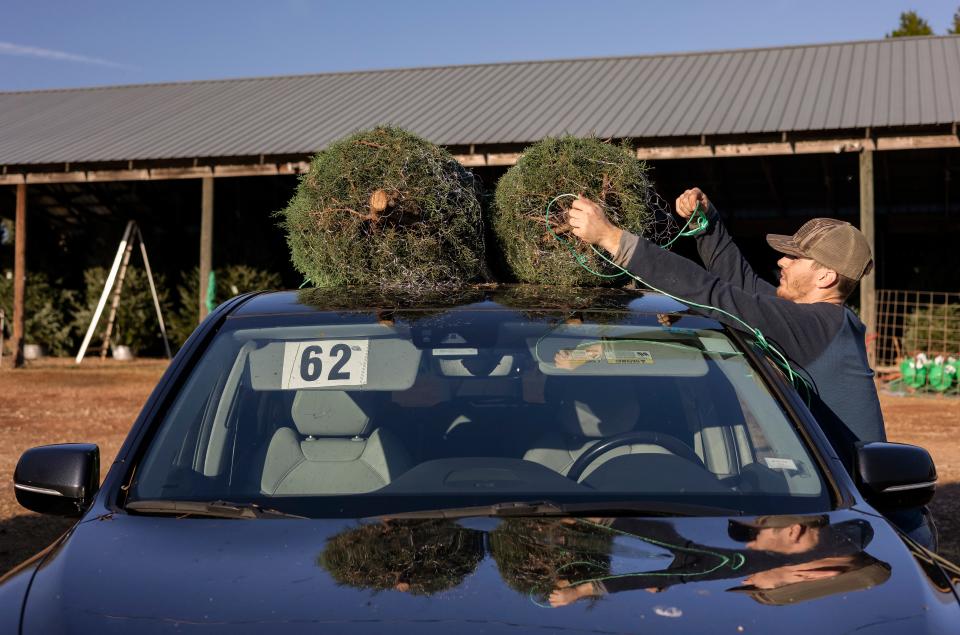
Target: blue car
x=492, y=459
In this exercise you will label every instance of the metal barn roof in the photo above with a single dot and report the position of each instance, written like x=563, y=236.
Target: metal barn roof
x=876, y=84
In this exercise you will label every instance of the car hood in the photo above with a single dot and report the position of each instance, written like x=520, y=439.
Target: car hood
x=849, y=571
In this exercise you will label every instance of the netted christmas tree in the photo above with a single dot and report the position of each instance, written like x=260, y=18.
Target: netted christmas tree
x=385, y=207
x=535, y=556
x=420, y=557
x=537, y=248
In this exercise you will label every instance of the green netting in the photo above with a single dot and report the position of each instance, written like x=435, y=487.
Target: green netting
x=385, y=207
x=608, y=174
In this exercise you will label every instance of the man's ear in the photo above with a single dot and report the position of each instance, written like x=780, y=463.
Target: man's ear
x=795, y=531
x=826, y=278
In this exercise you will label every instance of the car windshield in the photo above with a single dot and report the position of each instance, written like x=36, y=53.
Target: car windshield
x=358, y=414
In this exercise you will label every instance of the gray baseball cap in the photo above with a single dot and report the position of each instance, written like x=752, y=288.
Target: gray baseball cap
x=835, y=244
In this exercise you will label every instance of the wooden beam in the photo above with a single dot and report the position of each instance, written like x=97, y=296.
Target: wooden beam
x=868, y=308
x=503, y=158
x=19, y=274
x=157, y=174
x=471, y=160
x=918, y=142
x=206, y=241
x=481, y=159
x=674, y=152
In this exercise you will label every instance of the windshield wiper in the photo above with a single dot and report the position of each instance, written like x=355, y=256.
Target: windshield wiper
x=212, y=509
x=551, y=508
x=512, y=508
x=647, y=508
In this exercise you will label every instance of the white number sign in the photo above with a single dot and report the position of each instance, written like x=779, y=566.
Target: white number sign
x=324, y=364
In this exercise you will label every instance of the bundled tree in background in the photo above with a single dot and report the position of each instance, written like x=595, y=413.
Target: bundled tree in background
x=385, y=207
x=911, y=24
x=540, y=248
x=48, y=311
x=933, y=330
x=136, y=323
x=230, y=281
x=955, y=28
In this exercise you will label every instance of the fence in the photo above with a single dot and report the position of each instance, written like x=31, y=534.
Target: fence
x=917, y=343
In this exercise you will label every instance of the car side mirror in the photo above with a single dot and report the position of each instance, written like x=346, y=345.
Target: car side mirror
x=58, y=479
x=895, y=475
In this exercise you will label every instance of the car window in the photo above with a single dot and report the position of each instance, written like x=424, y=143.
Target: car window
x=333, y=412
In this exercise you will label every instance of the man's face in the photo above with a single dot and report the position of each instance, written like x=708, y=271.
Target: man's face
x=790, y=539
x=797, y=277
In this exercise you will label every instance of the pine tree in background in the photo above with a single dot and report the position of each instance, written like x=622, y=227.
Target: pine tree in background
x=955, y=29
x=912, y=25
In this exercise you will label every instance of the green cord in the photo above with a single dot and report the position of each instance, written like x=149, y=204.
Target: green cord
x=702, y=224
x=778, y=358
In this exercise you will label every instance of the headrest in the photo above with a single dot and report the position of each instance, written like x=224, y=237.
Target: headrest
x=594, y=410
x=480, y=365
x=458, y=358
x=329, y=413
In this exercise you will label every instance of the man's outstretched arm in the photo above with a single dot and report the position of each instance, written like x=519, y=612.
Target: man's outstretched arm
x=802, y=331
x=720, y=255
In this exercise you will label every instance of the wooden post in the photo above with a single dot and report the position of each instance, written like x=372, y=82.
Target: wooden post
x=19, y=274
x=868, y=297
x=206, y=242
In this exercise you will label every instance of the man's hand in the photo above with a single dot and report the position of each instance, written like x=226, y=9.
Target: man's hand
x=687, y=202
x=592, y=226
x=565, y=594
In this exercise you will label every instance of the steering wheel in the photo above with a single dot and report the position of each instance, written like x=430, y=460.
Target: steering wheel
x=602, y=446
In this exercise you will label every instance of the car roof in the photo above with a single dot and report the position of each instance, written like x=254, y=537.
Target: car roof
x=517, y=297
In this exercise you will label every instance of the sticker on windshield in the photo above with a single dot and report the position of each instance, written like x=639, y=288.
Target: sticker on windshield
x=627, y=356
x=455, y=352
x=780, y=464
x=324, y=364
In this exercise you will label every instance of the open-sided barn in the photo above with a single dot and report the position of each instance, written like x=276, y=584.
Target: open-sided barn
x=863, y=131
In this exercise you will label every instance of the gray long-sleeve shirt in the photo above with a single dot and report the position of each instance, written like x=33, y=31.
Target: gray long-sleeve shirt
x=823, y=341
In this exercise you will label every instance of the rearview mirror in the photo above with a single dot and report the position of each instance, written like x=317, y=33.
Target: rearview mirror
x=58, y=479
x=895, y=475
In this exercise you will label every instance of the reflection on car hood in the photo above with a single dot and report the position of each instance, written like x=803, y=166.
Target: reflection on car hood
x=829, y=573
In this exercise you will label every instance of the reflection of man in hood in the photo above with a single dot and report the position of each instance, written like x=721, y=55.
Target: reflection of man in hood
x=780, y=551
x=421, y=557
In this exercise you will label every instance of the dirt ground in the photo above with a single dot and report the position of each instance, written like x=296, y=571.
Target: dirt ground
x=55, y=401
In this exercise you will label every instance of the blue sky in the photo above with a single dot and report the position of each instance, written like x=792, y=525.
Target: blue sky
x=68, y=43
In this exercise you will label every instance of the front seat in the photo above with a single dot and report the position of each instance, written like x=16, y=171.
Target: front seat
x=333, y=450
x=590, y=409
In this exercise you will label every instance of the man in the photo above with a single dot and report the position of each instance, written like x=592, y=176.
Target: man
x=804, y=316
x=781, y=554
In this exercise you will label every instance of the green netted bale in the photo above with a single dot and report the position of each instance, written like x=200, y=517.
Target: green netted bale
x=536, y=556
x=385, y=207
x=608, y=174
